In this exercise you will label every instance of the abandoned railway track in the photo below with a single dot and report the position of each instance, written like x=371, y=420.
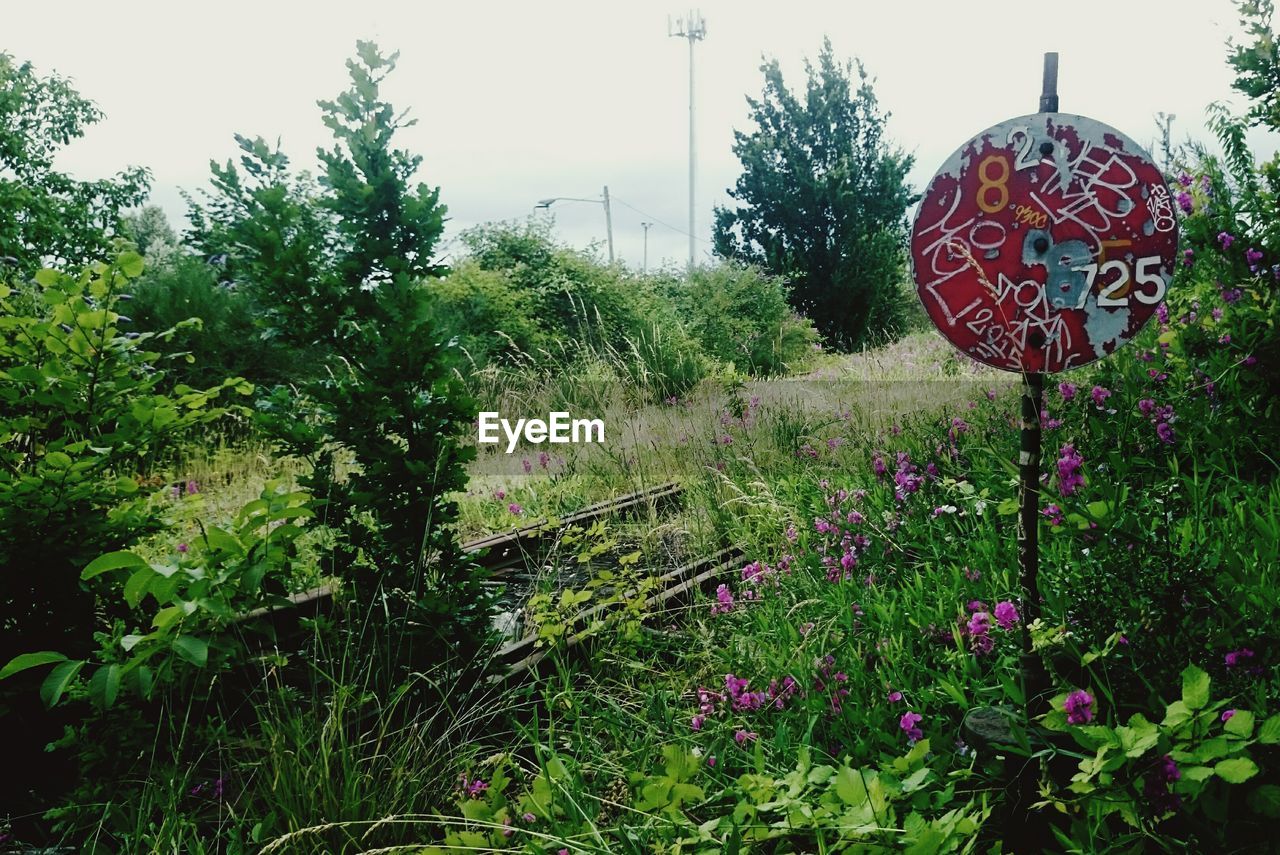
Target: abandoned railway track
x=528, y=558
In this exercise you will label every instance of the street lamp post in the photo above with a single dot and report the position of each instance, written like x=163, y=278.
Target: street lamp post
x=645, y=267
x=608, y=211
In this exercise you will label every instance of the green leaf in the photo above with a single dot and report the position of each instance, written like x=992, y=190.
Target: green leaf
x=1175, y=714
x=47, y=277
x=1195, y=688
x=30, y=660
x=136, y=588
x=131, y=264
x=104, y=685
x=1237, y=770
x=111, y=561
x=59, y=678
x=849, y=787
x=1266, y=800
x=58, y=460
x=194, y=650
x=1240, y=724
x=1269, y=733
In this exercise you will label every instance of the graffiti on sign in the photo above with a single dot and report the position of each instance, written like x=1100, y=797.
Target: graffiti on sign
x=1044, y=243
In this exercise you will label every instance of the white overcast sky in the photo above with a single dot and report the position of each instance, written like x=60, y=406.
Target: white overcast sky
x=518, y=101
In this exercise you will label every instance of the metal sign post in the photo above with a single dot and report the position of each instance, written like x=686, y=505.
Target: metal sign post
x=1042, y=244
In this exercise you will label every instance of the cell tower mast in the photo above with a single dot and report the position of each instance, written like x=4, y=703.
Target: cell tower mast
x=694, y=28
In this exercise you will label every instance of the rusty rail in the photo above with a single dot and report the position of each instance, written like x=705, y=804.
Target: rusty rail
x=500, y=552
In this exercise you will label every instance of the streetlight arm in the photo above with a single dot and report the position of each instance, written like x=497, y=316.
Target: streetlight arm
x=547, y=203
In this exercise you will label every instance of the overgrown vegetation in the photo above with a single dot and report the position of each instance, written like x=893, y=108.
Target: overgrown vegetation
x=854, y=683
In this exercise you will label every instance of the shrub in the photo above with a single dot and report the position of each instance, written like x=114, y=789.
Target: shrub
x=82, y=427
x=492, y=319
x=741, y=316
x=226, y=342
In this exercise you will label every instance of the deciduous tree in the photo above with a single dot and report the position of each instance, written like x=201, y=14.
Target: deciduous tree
x=822, y=199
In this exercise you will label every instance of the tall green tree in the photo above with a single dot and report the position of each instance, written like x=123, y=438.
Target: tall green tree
x=342, y=266
x=822, y=199
x=46, y=216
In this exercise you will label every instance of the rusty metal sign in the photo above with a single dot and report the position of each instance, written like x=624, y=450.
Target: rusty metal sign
x=1044, y=243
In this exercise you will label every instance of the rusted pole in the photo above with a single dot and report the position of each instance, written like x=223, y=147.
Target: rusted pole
x=1029, y=830
x=1033, y=673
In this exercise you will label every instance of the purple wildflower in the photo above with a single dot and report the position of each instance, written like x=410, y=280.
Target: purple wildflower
x=1079, y=707
x=909, y=724
x=1006, y=614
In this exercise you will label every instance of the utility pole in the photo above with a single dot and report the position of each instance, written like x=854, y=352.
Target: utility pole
x=693, y=28
x=608, y=221
x=645, y=268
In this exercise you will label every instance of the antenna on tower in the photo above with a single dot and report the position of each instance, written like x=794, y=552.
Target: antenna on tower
x=694, y=28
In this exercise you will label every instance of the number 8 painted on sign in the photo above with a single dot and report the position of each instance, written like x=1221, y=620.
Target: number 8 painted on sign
x=1145, y=276
x=1000, y=184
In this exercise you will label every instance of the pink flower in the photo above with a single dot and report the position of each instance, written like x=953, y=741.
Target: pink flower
x=743, y=736
x=1079, y=707
x=724, y=600
x=1164, y=431
x=895, y=696
x=1100, y=395
x=1227, y=715
x=711, y=761
x=1006, y=614
x=696, y=722
x=1226, y=239
x=515, y=509
x=182, y=547
x=909, y=724
x=1070, y=463
x=1238, y=657
x=527, y=464
x=1053, y=513
x=1067, y=390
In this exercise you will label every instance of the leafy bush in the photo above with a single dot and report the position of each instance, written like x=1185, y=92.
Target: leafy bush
x=201, y=593
x=740, y=315
x=344, y=267
x=492, y=319
x=82, y=425
x=226, y=341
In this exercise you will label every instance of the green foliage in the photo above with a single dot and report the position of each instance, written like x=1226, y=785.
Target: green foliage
x=1143, y=772
x=81, y=422
x=493, y=320
x=569, y=306
x=199, y=596
x=822, y=200
x=226, y=341
x=740, y=316
x=813, y=807
x=149, y=231
x=344, y=266
x=1257, y=63
x=46, y=215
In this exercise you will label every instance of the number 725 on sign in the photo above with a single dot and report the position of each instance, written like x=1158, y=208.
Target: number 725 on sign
x=1146, y=272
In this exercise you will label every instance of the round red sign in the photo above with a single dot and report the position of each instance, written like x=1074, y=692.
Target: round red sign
x=1044, y=243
